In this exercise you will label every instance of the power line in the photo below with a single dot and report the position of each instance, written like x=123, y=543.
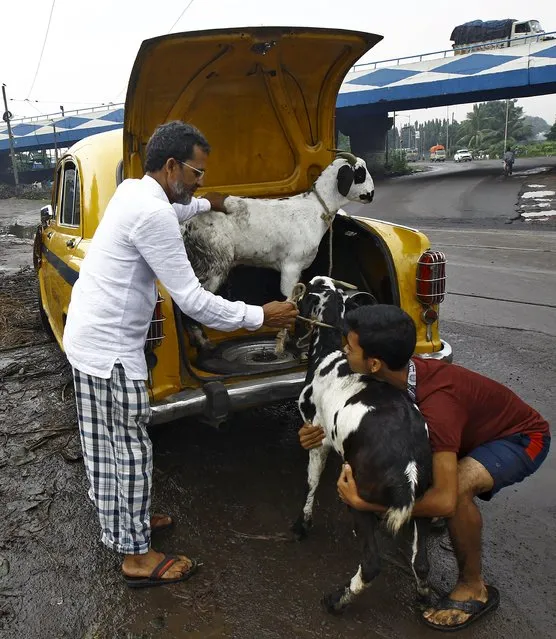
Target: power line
x=181, y=15
x=170, y=29
x=33, y=106
x=42, y=50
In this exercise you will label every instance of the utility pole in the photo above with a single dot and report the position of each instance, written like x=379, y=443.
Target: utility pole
x=55, y=143
x=506, y=127
x=7, y=116
x=447, y=129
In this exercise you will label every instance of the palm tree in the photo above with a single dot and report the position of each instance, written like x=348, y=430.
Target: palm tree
x=477, y=129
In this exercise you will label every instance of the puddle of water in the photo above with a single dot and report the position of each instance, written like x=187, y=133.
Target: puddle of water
x=538, y=194
x=540, y=215
x=19, y=230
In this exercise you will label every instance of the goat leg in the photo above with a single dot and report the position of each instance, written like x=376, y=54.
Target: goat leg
x=420, y=559
x=197, y=336
x=317, y=462
x=365, y=527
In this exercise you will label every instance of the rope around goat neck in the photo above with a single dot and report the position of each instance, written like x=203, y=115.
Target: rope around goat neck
x=328, y=219
x=298, y=292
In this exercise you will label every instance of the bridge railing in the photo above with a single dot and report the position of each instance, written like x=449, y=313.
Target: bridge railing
x=59, y=115
x=447, y=53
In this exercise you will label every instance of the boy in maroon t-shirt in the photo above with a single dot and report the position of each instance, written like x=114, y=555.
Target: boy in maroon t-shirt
x=483, y=438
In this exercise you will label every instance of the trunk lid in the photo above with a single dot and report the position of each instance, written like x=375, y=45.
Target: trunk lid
x=265, y=98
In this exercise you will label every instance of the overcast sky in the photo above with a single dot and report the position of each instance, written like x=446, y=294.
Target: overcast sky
x=91, y=45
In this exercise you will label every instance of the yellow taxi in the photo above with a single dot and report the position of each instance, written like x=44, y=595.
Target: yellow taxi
x=265, y=99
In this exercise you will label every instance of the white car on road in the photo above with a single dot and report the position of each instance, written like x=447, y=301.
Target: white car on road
x=462, y=155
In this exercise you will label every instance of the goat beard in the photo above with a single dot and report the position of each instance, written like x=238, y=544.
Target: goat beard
x=181, y=194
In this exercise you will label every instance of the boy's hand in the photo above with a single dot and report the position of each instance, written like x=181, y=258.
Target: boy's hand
x=311, y=436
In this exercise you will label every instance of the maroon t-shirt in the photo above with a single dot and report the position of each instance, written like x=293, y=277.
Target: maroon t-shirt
x=464, y=409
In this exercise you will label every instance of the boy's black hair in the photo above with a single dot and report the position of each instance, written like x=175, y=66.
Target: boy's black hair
x=173, y=140
x=386, y=332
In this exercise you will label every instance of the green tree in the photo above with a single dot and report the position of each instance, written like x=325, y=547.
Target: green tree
x=552, y=133
x=478, y=129
x=518, y=129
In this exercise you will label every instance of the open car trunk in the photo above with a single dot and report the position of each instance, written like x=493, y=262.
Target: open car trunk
x=359, y=258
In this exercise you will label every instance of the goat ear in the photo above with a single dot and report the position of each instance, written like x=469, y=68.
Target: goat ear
x=355, y=299
x=345, y=179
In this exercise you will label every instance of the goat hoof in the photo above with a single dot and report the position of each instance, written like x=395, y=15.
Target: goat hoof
x=438, y=525
x=424, y=598
x=301, y=527
x=332, y=603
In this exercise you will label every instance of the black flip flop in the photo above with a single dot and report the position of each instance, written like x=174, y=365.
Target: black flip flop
x=474, y=608
x=155, y=578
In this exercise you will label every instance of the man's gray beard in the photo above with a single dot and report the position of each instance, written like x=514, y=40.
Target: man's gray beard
x=180, y=194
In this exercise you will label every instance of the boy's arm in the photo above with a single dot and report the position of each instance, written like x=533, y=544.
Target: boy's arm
x=439, y=500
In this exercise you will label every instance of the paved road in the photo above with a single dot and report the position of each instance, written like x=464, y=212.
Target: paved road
x=474, y=193
x=499, y=274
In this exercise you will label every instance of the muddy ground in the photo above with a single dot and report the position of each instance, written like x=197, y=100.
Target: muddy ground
x=234, y=494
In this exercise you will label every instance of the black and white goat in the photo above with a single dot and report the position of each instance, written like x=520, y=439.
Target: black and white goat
x=376, y=429
x=282, y=234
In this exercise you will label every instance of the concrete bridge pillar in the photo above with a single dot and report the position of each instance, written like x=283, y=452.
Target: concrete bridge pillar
x=367, y=133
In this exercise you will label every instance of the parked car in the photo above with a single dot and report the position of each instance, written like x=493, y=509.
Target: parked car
x=218, y=80
x=463, y=155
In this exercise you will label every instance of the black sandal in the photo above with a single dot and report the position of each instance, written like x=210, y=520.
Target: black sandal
x=155, y=578
x=473, y=607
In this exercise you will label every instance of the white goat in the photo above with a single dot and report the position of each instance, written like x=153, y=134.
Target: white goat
x=282, y=234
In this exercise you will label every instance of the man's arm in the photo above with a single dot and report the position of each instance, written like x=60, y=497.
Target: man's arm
x=439, y=500
x=157, y=237
x=187, y=211
x=210, y=202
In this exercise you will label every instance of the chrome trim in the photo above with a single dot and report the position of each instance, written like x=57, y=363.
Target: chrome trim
x=445, y=353
x=246, y=394
x=249, y=393
x=376, y=219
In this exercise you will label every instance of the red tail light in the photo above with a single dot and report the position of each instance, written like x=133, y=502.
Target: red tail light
x=431, y=278
x=156, y=334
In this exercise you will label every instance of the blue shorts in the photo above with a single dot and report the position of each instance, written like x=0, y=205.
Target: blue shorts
x=511, y=459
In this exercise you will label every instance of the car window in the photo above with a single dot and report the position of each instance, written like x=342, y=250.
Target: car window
x=70, y=210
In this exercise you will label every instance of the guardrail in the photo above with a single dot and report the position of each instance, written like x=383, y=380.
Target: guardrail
x=59, y=115
x=528, y=39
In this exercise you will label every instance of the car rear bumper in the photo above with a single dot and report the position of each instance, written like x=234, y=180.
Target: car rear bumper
x=215, y=401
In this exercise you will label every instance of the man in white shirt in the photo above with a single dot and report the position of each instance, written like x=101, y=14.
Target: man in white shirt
x=138, y=242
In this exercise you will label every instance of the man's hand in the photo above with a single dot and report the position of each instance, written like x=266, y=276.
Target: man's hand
x=311, y=436
x=216, y=201
x=280, y=314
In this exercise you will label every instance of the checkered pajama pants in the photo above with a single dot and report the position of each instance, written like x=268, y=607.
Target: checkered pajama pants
x=117, y=452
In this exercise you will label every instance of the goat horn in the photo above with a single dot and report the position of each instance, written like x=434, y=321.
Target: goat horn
x=352, y=159
x=346, y=285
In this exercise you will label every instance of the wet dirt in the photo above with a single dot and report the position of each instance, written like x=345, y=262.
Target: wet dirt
x=234, y=494
x=18, y=222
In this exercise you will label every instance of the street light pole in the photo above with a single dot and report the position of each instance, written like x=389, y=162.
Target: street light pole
x=7, y=117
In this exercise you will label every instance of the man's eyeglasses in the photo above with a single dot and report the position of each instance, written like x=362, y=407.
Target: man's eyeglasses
x=198, y=172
